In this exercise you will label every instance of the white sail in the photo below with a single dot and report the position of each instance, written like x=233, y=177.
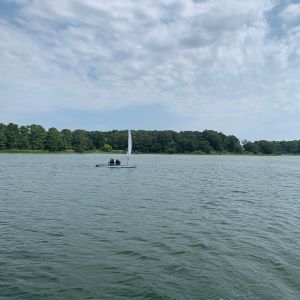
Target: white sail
x=129, y=144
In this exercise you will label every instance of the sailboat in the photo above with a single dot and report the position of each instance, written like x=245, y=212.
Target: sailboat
x=120, y=166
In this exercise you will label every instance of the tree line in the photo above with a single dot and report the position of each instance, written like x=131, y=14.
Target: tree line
x=36, y=137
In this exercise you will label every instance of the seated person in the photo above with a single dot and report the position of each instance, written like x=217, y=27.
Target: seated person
x=111, y=162
x=118, y=162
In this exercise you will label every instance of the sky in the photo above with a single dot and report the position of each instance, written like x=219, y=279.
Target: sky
x=228, y=65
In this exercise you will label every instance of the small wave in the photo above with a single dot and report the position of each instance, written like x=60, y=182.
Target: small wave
x=199, y=246
x=128, y=252
x=238, y=192
x=56, y=234
x=138, y=239
x=30, y=192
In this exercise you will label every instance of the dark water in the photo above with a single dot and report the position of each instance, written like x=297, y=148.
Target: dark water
x=177, y=227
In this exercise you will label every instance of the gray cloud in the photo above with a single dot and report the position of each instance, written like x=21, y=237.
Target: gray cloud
x=195, y=57
x=291, y=12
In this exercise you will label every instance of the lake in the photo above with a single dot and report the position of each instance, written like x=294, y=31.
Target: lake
x=176, y=227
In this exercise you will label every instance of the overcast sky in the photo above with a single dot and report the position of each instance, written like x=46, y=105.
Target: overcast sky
x=227, y=65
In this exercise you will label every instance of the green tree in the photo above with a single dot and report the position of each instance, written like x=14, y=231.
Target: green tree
x=155, y=148
x=106, y=148
x=12, y=136
x=165, y=139
x=81, y=141
x=186, y=145
x=67, y=137
x=172, y=147
x=215, y=139
x=289, y=147
x=23, y=142
x=143, y=141
x=37, y=135
x=266, y=147
x=55, y=140
x=96, y=138
x=204, y=146
x=232, y=144
x=3, y=139
x=251, y=147
x=117, y=139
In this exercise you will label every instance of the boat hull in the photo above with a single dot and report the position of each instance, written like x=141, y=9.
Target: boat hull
x=116, y=167
x=121, y=167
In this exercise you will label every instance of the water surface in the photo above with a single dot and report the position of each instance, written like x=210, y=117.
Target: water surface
x=176, y=227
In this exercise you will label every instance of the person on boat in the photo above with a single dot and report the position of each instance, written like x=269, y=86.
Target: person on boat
x=111, y=162
x=118, y=162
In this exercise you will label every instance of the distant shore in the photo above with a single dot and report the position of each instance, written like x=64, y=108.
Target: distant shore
x=21, y=139
x=117, y=152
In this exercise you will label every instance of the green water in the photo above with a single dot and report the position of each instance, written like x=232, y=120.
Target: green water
x=176, y=227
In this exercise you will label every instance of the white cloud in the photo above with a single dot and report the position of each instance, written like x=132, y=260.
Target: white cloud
x=291, y=12
x=197, y=58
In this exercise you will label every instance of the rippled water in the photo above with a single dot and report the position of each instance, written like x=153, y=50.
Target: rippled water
x=176, y=227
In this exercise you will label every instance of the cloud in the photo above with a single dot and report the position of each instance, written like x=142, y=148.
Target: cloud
x=291, y=12
x=196, y=58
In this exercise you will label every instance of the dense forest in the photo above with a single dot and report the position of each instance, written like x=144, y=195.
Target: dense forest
x=35, y=137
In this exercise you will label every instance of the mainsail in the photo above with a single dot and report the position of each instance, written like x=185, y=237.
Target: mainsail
x=129, y=145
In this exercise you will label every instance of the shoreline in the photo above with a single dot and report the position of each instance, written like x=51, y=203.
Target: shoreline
x=124, y=153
